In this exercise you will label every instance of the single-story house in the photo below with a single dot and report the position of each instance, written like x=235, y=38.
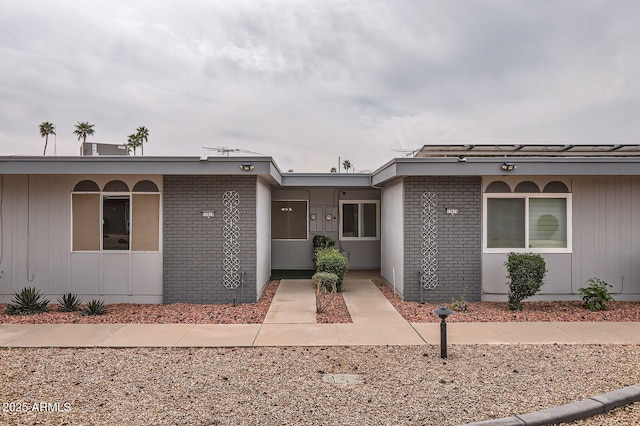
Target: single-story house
x=211, y=229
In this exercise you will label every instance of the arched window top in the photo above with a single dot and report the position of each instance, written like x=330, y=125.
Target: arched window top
x=556, y=187
x=86, y=186
x=145, y=186
x=116, y=186
x=527, y=186
x=498, y=186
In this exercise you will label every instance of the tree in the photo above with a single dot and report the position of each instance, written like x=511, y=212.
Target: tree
x=46, y=129
x=133, y=142
x=333, y=170
x=347, y=165
x=83, y=130
x=143, y=136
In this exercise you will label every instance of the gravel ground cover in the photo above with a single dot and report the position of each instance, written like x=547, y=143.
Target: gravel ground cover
x=406, y=385
x=499, y=312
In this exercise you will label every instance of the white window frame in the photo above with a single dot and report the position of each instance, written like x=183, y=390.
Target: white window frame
x=527, y=197
x=129, y=195
x=360, y=210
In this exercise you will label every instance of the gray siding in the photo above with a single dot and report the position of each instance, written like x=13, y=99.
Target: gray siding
x=193, y=245
x=606, y=233
x=459, y=237
x=298, y=254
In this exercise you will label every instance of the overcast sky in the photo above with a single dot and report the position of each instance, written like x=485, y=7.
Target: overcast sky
x=306, y=81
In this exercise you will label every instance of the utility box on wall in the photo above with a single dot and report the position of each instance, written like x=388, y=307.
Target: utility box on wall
x=331, y=219
x=316, y=219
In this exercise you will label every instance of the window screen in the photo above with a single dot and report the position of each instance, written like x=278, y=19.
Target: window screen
x=505, y=223
x=86, y=222
x=289, y=220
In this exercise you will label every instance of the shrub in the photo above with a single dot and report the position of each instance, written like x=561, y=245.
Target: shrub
x=331, y=260
x=324, y=282
x=95, y=307
x=320, y=242
x=526, y=276
x=69, y=303
x=596, y=295
x=461, y=304
x=27, y=302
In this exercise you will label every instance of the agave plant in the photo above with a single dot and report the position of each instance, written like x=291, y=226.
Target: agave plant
x=95, y=307
x=27, y=301
x=69, y=303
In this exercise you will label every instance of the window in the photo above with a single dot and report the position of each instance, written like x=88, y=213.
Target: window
x=115, y=219
x=536, y=222
x=359, y=220
x=289, y=220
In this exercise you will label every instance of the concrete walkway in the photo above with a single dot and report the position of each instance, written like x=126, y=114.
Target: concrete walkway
x=291, y=321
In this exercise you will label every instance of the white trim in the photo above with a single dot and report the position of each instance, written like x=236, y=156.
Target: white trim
x=527, y=197
x=360, y=224
x=129, y=196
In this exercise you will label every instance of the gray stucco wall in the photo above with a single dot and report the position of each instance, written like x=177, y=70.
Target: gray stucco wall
x=193, y=245
x=459, y=237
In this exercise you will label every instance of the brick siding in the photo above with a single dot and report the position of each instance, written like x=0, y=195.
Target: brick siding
x=193, y=245
x=459, y=238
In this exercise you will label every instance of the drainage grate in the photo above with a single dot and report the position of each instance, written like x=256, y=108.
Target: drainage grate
x=343, y=379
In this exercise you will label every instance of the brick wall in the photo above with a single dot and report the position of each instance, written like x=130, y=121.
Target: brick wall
x=459, y=237
x=193, y=245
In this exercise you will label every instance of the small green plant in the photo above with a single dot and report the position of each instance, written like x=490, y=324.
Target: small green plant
x=95, y=307
x=526, y=276
x=324, y=282
x=596, y=295
x=69, y=303
x=461, y=304
x=331, y=260
x=27, y=301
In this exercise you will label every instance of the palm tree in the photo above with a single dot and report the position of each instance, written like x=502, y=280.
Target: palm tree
x=143, y=136
x=46, y=129
x=347, y=165
x=83, y=130
x=333, y=170
x=133, y=141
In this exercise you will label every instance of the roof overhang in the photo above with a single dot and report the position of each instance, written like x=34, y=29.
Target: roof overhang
x=118, y=165
x=493, y=166
x=360, y=180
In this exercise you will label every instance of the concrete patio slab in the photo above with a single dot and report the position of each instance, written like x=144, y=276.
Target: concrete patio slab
x=148, y=335
x=293, y=303
x=220, y=335
x=297, y=335
x=11, y=332
x=67, y=335
x=372, y=334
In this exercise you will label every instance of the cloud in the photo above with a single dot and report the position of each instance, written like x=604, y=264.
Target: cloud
x=307, y=81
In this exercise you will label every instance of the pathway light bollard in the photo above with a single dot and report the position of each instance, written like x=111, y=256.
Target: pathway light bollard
x=443, y=313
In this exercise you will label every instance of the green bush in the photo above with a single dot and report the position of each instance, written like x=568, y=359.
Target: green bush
x=324, y=282
x=331, y=260
x=69, y=303
x=95, y=307
x=27, y=301
x=596, y=295
x=526, y=276
x=321, y=242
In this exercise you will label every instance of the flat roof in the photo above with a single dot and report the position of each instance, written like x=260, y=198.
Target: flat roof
x=434, y=151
